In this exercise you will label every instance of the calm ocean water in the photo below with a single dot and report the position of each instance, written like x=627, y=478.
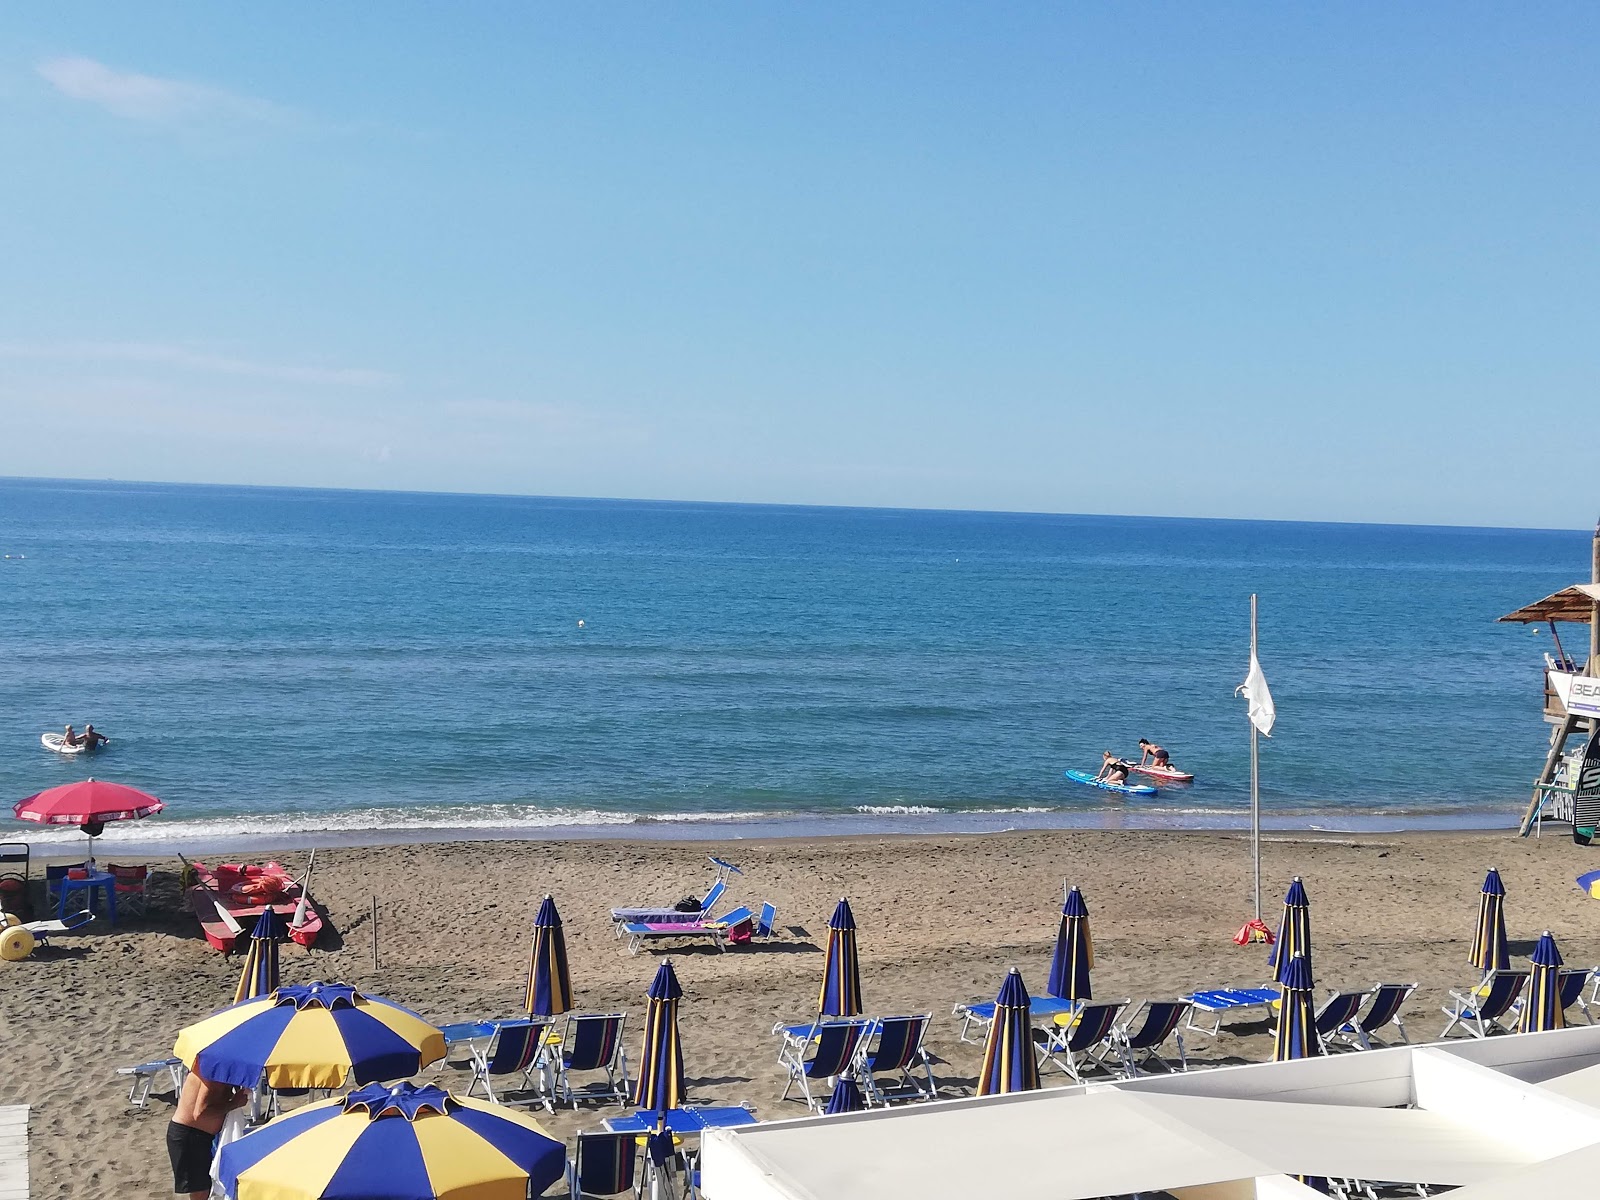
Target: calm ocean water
x=275, y=660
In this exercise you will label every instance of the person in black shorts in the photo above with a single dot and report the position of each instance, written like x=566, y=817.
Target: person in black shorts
x=1113, y=769
x=202, y=1105
x=1153, y=755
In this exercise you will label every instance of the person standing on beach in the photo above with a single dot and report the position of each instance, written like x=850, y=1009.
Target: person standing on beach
x=202, y=1105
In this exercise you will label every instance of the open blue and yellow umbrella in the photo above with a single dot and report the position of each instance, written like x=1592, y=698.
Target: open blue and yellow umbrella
x=1010, y=1063
x=1294, y=931
x=1541, y=1007
x=549, y=981
x=841, y=969
x=1074, y=954
x=397, y=1142
x=660, y=1083
x=1297, y=1028
x=1489, y=950
x=313, y=1035
x=260, y=973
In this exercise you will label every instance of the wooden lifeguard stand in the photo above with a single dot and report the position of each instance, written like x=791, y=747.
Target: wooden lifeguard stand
x=1571, y=691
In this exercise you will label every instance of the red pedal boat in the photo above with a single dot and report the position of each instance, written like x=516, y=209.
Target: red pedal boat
x=229, y=897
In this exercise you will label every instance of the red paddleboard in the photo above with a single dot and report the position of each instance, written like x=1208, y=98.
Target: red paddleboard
x=244, y=892
x=1166, y=773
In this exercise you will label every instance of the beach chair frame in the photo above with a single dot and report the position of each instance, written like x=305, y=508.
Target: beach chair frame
x=1141, y=1036
x=717, y=930
x=144, y=1077
x=131, y=882
x=665, y=914
x=589, y=1042
x=1087, y=1041
x=830, y=1050
x=981, y=1014
x=516, y=1048
x=1481, y=1011
x=899, y=1051
x=1337, y=1012
x=618, y=1150
x=1587, y=1004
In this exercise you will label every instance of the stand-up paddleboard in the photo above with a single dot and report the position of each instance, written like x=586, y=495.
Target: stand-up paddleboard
x=1165, y=774
x=1127, y=789
x=54, y=741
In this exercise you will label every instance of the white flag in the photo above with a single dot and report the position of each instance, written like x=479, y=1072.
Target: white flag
x=1254, y=689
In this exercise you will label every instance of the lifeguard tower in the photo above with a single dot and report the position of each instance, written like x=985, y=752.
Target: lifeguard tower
x=1571, y=692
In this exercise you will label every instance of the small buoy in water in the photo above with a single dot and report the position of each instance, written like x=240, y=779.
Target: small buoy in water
x=580, y=622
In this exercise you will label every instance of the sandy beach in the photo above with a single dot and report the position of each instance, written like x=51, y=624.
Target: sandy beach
x=941, y=918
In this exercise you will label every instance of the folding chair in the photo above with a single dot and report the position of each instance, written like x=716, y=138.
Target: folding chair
x=1337, y=1011
x=1084, y=1037
x=604, y=1164
x=14, y=897
x=1481, y=1011
x=1157, y=1020
x=132, y=885
x=896, y=1049
x=513, y=1051
x=830, y=1050
x=54, y=873
x=767, y=923
x=1592, y=1000
x=589, y=1042
x=145, y=1075
x=1571, y=984
x=1383, y=1008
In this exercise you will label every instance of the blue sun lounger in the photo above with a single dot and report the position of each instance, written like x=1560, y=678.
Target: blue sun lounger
x=718, y=930
x=1253, y=1004
x=981, y=1014
x=650, y=914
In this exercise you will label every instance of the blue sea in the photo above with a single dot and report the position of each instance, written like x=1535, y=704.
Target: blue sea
x=284, y=662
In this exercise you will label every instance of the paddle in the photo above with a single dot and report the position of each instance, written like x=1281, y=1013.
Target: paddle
x=305, y=894
x=222, y=910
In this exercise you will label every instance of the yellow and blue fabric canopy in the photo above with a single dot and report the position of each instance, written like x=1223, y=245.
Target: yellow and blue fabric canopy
x=260, y=974
x=1009, y=1061
x=397, y=1142
x=312, y=1035
x=1074, y=954
x=549, y=980
x=1541, y=1007
x=841, y=969
x=660, y=1082
x=1294, y=931
x=1489, y=949
x=1297, y=1026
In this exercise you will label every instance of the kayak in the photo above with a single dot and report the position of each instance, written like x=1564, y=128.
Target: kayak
x=1166, y=773
x=227, y=899
x=1127, y=789
x=54, y=741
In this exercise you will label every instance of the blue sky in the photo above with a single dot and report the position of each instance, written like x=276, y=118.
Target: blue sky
x=1298, y=261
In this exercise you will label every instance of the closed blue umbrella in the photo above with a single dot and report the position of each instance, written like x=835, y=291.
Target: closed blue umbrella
x=549, y=981
x=660, y=1083
x=846, y=1097
x=1294, y=931
x=1489, y=949
x=260, y=974
x=1009, y=1061
x=1541, y=1008
x=1074, y=954
x=841, y=969
x=1297, y=1030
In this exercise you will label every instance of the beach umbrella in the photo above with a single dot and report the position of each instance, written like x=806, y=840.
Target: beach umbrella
x=260, y=973
x=1009, y=1062
x=1297, y=1029
x=1541, y=1007
x=660, y=1083
x=398, y=1142
x=841, y=969
x=549, y=981
x=1074, y=955
x=1489, y=952
x=88, y=805
x=1294, y=931
x=310, y=1035
x=846, y=1097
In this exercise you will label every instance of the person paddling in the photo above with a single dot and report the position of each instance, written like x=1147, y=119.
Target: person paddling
x=90, y=740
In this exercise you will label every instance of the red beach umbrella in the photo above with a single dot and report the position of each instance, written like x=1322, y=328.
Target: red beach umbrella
x=89, y=804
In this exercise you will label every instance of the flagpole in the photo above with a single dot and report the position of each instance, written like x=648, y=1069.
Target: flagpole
x=1255, y=777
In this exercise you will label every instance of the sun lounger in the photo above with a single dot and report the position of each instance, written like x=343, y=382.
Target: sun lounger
x=1383, y=1008
x=718, y=931
x=894, y=1048
x=145, y=1075
x=656, y=913
x=1084, y=1038
x=1483, y=1010
x=980, y=1015
x=1140, y=1037
x=1252, y=1004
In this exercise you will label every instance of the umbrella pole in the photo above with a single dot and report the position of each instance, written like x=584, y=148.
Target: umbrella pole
x=1255, y=779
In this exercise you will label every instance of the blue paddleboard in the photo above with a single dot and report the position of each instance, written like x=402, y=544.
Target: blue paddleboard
x=1127, y=789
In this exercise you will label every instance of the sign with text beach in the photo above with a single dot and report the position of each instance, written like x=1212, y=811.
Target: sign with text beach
x=1579, y=694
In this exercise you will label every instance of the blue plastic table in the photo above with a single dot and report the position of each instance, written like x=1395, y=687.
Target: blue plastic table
x=102, y=881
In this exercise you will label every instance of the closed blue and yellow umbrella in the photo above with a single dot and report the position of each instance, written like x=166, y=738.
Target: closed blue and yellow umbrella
x=314, y=1035
x=841, y=969
x=1294, y=931
x=1541, y=1007
x=397, y=1142
x=1009, y=1061
x=1489, y=949
x=846, y=1097
x=260, y=973
x=660, y=1083
x=1074, y=953
x=1297, y=1028
x=549, y=981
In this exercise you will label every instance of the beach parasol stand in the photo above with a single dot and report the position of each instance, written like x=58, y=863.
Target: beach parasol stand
x=1541, y=1008
x=841, y=968
x=260, y=975
x=1297, y=1023
x=90, y=805
x=1294, y=931
x=549, y=980
x=394, y=1142
x=1074, y=953
x=1489, y=949
x=1009, y=1061
x=311, y=1035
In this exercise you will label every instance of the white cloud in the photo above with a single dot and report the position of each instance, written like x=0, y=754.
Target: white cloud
x=137, y=97
x=185, y=358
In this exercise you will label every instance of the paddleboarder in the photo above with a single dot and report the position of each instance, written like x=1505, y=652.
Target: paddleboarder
x=1113, y=769
x=1152, y=755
